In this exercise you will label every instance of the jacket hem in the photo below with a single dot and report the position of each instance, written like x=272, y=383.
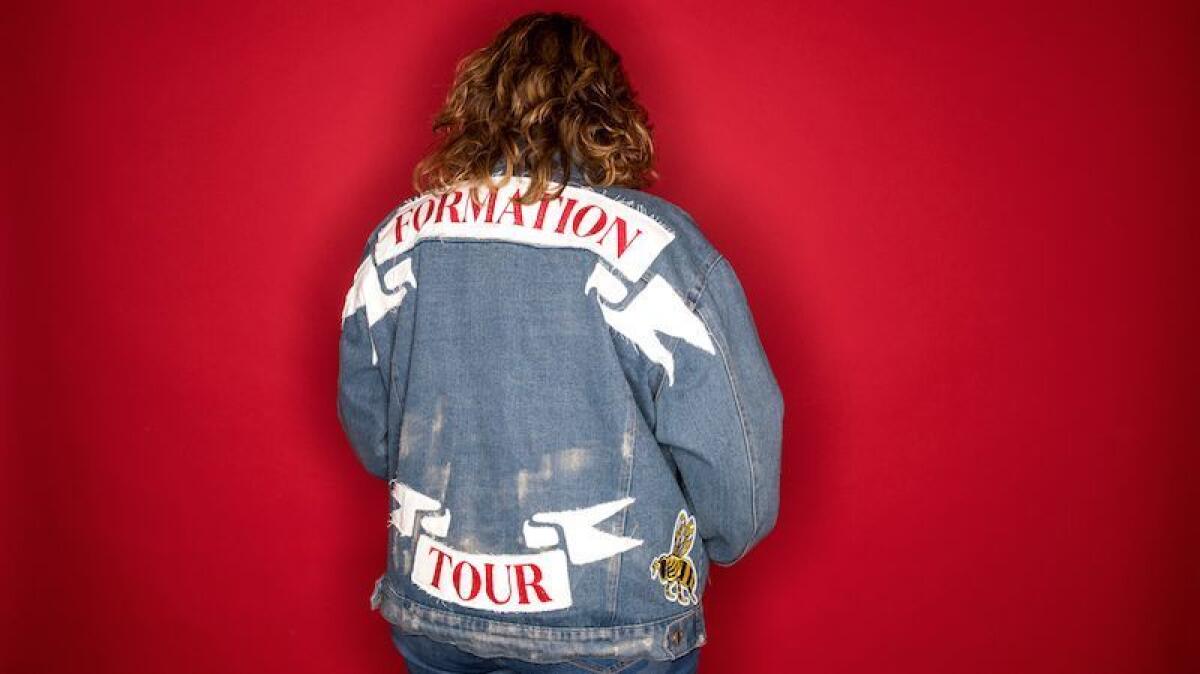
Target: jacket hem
x=664, y=639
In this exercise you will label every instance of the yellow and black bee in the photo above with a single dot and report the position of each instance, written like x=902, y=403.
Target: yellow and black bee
x=675, y=569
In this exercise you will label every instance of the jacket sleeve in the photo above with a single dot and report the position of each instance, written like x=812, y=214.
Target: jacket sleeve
x=721, y=417
x=363, y=386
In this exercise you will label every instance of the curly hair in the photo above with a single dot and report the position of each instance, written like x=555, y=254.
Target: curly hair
x=547, y=92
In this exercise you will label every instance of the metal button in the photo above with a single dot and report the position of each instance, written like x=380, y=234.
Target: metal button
x=675, y=636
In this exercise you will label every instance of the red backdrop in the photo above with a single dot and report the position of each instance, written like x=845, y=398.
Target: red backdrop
x=965, y=231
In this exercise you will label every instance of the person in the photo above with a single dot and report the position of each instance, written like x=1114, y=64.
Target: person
x=559, y=378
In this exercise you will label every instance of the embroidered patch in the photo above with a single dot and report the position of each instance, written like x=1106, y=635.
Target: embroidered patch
x=675, y=569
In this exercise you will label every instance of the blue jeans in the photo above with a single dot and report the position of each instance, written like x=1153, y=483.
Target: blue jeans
x=423, y=655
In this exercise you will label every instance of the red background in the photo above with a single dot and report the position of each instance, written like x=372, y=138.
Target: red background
x=966, y=231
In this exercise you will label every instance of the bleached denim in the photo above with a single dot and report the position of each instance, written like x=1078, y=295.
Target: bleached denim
x=535, y=419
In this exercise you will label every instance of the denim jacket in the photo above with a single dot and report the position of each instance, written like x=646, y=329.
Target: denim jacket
x=574, y=415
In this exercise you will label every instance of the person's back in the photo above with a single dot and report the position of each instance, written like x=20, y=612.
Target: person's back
x=567, y=397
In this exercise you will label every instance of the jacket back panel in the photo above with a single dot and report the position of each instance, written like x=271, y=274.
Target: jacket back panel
x=569, y=402
x=518, y=405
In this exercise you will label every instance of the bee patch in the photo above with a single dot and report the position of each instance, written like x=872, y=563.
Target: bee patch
x=675, y=569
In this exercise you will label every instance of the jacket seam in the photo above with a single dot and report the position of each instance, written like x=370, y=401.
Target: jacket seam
x=543, y=629
x=616, y=580
x=602, y=670
x=737, y=403
x=416, y=264
x=391, y=386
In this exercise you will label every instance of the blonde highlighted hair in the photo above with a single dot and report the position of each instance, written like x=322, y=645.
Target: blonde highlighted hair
x=547, y=93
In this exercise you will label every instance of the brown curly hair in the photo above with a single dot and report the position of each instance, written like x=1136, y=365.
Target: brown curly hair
x=547, y=92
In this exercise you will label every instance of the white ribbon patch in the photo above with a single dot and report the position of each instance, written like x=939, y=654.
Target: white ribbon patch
x=539, y=581
x=501, y=583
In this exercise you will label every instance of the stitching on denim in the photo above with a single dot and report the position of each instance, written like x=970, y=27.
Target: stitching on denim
x=646, y=203
x=393, y=388
x=666, y=636
x=595, y=670
x=366, y=326
x=542, y=643
x=631, y=203
x=488, y=624
x=367, y=322
x=619, y=666
x=615, y=581
x=416, y=270
x=459, y=238
x=737, y=402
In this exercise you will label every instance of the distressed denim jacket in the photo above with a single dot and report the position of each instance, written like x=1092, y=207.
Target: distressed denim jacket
x=574, y=415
